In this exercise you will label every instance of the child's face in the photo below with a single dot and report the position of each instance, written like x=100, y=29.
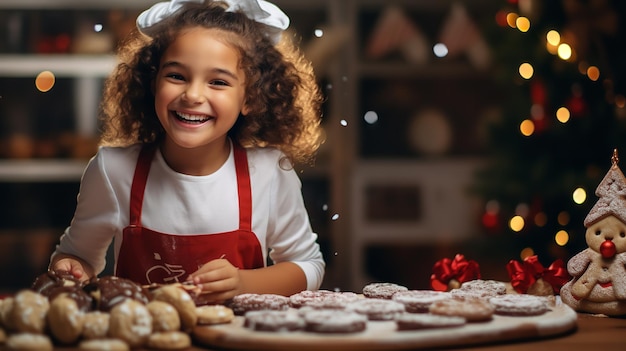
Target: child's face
x=199, y=88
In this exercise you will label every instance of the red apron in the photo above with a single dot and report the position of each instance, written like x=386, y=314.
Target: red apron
x=147, y=256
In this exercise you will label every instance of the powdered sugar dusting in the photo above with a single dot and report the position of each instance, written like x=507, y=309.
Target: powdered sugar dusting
x=612, y=194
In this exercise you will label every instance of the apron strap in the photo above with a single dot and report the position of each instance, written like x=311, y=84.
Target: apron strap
x=139, y=183
x=244, y=189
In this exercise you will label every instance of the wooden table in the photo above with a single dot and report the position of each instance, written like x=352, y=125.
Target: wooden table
x=593, y=333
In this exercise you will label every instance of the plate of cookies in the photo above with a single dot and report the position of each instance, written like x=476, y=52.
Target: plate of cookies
x=387, y=316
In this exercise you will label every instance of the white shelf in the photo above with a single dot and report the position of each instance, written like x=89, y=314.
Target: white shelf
x=71, y=66
x=25, y=171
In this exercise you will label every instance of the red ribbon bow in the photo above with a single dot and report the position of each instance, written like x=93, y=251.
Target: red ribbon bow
x=458, y=269
x=525, y=274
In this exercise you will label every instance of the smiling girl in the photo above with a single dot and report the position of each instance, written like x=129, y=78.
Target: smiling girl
x=204, y=118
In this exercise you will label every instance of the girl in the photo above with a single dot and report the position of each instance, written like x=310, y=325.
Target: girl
x=204, y=115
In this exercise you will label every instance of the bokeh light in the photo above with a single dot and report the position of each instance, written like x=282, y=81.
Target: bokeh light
x=579, y=196
x=563, y=218
x=511, y=18
x=564, y=51
x=371, y=117
x=526, y=70
x=553, y=38
x=593, y=73
x=527, y=127
x=563, y=114
x=516, y=223
x=561, y=238
x=440, y=50
x=45, y=81
x=526, y=252
x=523, y=24
x=541, y=219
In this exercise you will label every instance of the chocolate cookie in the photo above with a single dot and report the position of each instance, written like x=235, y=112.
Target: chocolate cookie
x=110, y=290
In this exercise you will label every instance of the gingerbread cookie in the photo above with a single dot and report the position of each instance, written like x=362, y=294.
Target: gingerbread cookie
x=473, y=309
x=111, y=290
x=214, y=314
x=382, y=290
x=273, y=320
x=131, y=322
x=418, y=301
x=65, y=320
x=414, y=321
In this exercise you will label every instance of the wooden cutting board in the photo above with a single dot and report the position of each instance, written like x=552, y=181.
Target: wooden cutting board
x=382, y=335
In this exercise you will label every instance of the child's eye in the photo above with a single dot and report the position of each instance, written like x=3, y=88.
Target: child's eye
x=175, y=76
x=219, y=82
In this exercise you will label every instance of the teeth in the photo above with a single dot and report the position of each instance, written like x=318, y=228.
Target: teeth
x=192, y=118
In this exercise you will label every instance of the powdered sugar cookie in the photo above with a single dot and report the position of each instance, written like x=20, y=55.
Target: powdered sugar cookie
x=65, y=320
x=131, y=322
x=214, y=314
x=483, y=287
x=382, y=290
x=273, y=320
x=29, y=342
x=519, y=305
x=377, y=309
x=240, y=304
x=413, y=321
x=28, y=312
x=96, y=325
x=103, y=345
x=322, y=299
x=164, y=316
x=418, y=301
x=170, y=340
x=473, y=309
x=334, y=321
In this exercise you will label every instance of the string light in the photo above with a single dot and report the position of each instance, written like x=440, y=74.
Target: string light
x=526, y=70
x=526, y=252
x=561, y=238
x=527, y=127
x=564, y=51
x=45, y=81
x=593, y=73
x=579, y=196
x=523, y=24
x=516, y=223
x=563, y=114
x=511, y=18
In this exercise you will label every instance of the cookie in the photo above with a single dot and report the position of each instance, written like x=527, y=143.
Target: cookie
x=377, y=309
x=6, y=307
x=473, y=309
x=169, y=340
x=96, y=325
x=519, y=305
x=334, y=321
x=242, y=303
x=382, y=290
x=414, y=321
x=322, y=299
x=481, y=287
x=273, y=320
x=131, y=322
x=214, y=314
x=28, y=312
x=164, y=316
x=65, y=320
x=52, y=279
x=418, y=301
x=181, y=301
x=109, y=291
x=29, y=342
x=103, y=345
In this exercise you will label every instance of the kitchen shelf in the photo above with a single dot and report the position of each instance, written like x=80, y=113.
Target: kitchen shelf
x=33, y=170
x=62, y=65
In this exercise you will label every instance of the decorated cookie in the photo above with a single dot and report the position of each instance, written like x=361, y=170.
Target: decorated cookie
x=599, y=272
x=382, y=290
x=65, y=320
x=131, y=322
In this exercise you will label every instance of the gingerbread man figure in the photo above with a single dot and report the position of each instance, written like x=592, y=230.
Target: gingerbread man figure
x=599, y=272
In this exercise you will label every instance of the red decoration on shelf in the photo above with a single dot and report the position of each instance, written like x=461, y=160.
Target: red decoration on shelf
x=526, y=275
x=449, y=274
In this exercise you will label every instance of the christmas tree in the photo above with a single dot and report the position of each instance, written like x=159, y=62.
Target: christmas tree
x=560, y=67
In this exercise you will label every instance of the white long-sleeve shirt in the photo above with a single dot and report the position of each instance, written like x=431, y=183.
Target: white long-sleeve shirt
x=181, y=204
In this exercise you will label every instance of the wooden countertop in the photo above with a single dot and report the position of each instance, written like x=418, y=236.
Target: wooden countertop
x=593, y=333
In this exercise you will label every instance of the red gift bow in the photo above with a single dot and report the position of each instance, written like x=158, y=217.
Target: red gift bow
x=524, y=274
x=458, y=268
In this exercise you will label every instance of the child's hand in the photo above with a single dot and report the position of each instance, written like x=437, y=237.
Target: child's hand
x=218, y=279
x=73, y=266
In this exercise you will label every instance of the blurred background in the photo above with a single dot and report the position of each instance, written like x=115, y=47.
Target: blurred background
x=476, y=127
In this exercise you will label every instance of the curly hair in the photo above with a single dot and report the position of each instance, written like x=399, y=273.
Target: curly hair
x=282, y=93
